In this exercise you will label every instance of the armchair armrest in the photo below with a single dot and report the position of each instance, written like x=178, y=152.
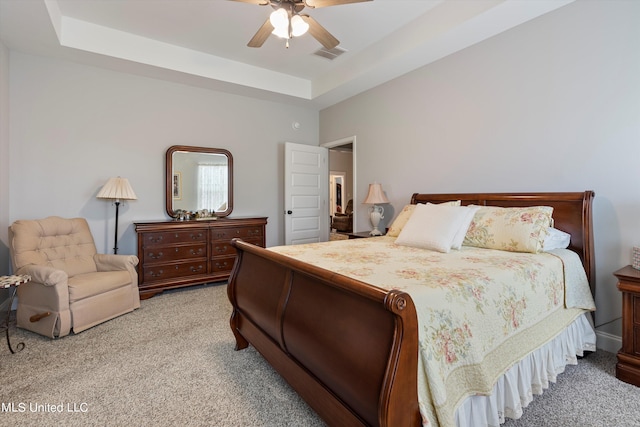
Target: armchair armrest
x=44, y=275
x=107, y=262
x=43, y=303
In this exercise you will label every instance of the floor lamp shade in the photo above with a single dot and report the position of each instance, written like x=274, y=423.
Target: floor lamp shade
x=375, y=197
x=117, y=189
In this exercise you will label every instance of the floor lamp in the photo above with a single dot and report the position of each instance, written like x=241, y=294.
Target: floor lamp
x=117, y=189
x=375, y=197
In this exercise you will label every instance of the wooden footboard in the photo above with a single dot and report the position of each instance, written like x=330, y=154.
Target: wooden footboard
x=348, y=348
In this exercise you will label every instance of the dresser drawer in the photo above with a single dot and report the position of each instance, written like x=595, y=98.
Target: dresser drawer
x=233, y=232
x=174, y=253
x=171, y=271
x=222, y=264
x=223, y=247
x=171, y=237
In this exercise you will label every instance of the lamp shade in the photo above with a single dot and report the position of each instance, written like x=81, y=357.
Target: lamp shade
x=118, y=189
x=375, y=195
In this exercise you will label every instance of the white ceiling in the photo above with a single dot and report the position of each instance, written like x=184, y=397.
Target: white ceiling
x=203, y=42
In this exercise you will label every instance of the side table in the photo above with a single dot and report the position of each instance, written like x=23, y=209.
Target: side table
x=360, y=235
x=12, y=282
x=628, y=366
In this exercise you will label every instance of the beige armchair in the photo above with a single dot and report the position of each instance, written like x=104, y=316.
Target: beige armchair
x=72, y=287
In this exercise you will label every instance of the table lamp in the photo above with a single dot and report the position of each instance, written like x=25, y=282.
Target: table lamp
x=376, y=213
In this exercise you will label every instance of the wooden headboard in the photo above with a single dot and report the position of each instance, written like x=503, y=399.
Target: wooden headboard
x=571, y=214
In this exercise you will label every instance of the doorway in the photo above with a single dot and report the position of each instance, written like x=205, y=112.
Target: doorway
x=337, y=192
x=342, y=167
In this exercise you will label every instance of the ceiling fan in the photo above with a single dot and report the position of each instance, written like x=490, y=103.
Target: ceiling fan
x=287, y=22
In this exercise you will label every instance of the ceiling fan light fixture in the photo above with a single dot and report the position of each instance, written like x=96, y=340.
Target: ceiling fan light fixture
x=282, y=32
x=298, y=26
x=279, y=19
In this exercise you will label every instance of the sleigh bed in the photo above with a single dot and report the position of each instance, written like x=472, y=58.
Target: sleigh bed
x=348, y=327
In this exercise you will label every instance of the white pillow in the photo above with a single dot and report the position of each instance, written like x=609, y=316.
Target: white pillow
x=556, y=239
x=432, y=227
x=405, y=214
x=464, y=226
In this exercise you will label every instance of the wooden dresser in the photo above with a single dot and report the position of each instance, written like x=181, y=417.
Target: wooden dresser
x=628, y=366
x=174, y=254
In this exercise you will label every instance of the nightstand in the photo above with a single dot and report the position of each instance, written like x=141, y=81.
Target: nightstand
x=628, y=366
x=360, y=235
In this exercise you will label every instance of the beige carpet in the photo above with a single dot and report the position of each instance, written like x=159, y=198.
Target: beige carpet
x=172, y=363
x=337, y=236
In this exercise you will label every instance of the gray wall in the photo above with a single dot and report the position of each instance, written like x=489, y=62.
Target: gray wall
x=4, y=167
x=4, y=158
x=74, y=126
x=552, y=105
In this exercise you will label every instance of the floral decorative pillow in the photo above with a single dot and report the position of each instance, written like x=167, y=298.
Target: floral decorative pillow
x=404, y=215
x=509, y=229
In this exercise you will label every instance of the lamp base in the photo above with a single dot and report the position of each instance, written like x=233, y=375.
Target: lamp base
x=376, y=214
x=375, y=232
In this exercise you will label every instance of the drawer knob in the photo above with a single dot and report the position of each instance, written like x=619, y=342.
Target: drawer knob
x=156, y=255
x=155, y=239
x=156, y=274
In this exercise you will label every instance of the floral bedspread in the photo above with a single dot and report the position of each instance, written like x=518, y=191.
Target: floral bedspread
x=479, y=310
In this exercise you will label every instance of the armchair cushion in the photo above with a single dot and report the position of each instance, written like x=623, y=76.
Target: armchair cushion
x=91, y=284
x=64, y=244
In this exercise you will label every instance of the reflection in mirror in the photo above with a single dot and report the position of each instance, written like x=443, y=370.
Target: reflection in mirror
x=199, y=180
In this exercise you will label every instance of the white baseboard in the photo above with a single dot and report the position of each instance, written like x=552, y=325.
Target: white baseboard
x=608, y=342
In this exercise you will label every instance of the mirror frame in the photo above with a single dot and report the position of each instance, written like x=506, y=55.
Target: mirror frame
x=169, y=175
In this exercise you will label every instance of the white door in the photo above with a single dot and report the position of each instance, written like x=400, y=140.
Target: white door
x=306, y=190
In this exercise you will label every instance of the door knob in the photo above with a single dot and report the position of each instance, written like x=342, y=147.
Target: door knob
x=289, y=212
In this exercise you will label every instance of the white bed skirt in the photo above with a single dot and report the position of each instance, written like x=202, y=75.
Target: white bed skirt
x=515, y=389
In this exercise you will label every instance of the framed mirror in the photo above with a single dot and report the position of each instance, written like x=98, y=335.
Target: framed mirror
x=199, y=179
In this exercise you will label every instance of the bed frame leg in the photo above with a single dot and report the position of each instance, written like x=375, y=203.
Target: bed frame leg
x=241, y=342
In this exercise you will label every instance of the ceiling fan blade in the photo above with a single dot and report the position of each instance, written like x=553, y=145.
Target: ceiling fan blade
x=262, y=35
x=258, y=2
x=325, y=3
x=319, y=33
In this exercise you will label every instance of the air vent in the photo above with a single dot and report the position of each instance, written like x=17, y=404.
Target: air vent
x=330, y=54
